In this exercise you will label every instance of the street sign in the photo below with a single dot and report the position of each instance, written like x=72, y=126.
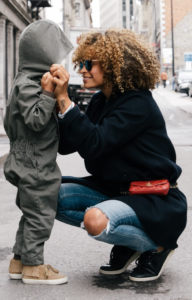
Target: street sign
x=188, y=60
x=167, y=56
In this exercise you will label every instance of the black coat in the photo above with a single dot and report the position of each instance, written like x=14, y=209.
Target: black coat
x=122, y=141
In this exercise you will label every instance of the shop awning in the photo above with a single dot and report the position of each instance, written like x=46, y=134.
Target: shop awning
x=40, y=3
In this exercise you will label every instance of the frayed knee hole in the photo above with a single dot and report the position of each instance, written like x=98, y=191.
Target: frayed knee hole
x=95, y=221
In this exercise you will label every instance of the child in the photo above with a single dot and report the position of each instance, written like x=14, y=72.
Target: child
x=31, y=125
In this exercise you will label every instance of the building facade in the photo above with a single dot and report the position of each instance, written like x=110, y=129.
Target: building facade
x=182, y=33
x=77, y=13
x=152, y=19
x=13, y=19
x=146, y=20
x=68, y=13
x=115, y=13
x=15, y=15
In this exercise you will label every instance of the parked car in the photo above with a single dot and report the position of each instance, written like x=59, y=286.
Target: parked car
x=184, y=88
x=182, y=81
x=190, y=90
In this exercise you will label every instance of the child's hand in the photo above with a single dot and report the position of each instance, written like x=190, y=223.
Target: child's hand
x=46, y=82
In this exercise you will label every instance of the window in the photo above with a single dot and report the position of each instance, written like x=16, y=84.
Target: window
x=77, y=10
x=131, y=12
x=124, y=22
x=131, y=7
x=124, y=5
x=124, y=13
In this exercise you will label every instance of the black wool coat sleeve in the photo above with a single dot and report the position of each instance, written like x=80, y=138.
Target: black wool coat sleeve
x=93, y=140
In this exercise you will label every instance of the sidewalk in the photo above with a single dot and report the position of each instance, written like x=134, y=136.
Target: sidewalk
x=181, y=101
x=2, y=130
x=4, y=144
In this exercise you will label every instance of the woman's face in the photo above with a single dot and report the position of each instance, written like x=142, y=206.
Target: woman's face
x=93, y=78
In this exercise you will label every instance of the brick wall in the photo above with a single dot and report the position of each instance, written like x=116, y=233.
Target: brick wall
x=181, y=8
x=182, y=40
x=182, y=24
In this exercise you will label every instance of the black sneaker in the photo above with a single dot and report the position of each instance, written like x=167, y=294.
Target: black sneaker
x=150, y=265
x=120, y=258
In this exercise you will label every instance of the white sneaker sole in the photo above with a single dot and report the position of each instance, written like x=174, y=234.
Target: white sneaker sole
x=15, y=276
x=50, y=282
x=134, y=257
x=156, y=277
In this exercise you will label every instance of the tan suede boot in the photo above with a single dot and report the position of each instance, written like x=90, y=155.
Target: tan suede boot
x=15, y=269
x=43, y=274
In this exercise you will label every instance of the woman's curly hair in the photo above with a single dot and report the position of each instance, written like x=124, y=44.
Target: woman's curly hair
x=128, y=61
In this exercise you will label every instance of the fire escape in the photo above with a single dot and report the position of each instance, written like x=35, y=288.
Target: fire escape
x=35, y=6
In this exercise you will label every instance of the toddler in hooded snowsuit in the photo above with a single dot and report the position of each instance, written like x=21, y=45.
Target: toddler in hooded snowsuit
x=31, y=125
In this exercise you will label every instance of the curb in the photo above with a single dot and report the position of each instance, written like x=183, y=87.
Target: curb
x=185, y=111
x=176, y=106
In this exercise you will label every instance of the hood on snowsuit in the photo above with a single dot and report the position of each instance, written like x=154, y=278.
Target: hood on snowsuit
x=42, y=44
x=32, y=127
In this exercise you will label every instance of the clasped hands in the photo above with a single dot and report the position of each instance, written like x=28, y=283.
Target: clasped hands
x=56, y=81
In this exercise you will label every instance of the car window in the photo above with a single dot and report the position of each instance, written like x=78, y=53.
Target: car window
x=185, y=75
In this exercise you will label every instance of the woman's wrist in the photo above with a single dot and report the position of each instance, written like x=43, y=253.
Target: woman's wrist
x=64, y=102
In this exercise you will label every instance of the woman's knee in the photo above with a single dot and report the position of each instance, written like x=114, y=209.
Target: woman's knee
x=95, y=221
x=65, y=191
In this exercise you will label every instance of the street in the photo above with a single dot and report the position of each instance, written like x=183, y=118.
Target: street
x=78, y=256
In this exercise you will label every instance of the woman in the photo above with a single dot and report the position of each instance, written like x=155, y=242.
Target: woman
x=122, y=138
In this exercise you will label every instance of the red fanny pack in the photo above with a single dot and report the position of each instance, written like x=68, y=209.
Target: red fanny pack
x=155, y=187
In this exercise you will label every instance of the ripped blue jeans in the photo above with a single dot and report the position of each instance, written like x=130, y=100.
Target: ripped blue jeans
x=123, y=228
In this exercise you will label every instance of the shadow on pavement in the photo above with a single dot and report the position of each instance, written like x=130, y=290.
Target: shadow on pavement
x=122, y=282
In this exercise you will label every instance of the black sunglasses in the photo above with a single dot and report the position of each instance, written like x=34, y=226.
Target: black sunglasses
x=87, y=63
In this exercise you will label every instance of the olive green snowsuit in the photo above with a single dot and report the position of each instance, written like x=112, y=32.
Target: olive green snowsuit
x=31, y=125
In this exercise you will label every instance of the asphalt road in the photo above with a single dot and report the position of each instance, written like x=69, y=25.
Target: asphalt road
x=74, y=253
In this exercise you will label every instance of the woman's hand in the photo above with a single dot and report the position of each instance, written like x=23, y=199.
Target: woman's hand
x=60, y=79
x=47, y=82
